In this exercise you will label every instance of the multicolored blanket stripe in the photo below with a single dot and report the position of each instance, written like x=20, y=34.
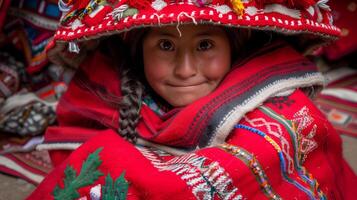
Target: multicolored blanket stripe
x=338, y=101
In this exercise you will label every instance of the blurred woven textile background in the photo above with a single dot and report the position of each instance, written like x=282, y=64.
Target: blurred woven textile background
x=30, y=86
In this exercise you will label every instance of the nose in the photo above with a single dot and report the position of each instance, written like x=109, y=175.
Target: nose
x=185, y=65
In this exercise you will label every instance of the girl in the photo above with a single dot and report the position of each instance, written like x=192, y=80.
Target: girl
x=202, y=109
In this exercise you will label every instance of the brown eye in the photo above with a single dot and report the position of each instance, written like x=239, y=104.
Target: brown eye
x=166, y=45
x=204, y=45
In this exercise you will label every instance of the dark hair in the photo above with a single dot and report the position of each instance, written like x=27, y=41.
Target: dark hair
x=130, y=85
x=133, y=80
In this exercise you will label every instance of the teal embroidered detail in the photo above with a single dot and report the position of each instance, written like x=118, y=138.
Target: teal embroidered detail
x=149, y=101
x=88, y=175
x=117, y=190
x=312, y=184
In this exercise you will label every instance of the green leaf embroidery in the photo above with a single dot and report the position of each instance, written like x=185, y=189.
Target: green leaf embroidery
x=116, y=191
x=88, y=175
x=107, y=190
x=70, y=176
x=121, y=187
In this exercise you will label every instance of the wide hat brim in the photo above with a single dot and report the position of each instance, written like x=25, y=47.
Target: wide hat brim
x=315, y=21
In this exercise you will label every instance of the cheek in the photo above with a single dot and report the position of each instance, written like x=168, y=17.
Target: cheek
x=217, y=66
x=155, y=69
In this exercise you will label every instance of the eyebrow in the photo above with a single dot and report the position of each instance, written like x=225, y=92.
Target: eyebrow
x=165, y=33
x=206, y=33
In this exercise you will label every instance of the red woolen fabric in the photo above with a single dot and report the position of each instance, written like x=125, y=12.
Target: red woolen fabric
x=285, y=129
x=345, y=14
x=325, y=163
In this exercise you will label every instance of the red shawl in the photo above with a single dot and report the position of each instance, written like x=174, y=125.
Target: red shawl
x=256, y=136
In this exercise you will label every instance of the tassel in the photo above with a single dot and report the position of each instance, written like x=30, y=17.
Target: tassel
x=238, y=7
x=73, y=47
x=64, y=7
x=323, y=5
x=118, y=13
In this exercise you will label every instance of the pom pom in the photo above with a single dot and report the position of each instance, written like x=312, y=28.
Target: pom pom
x=237, y=7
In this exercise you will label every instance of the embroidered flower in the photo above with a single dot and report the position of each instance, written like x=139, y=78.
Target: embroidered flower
x=317, y=8
x=75, y=24
x=64, y=7
x=123, y=11
x=158, y=5
x=323, y=5
x=224, y=9
x=118, y=13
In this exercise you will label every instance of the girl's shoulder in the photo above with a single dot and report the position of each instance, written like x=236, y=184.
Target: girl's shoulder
x=296, y=107
x=295, y=113
x=290, y=121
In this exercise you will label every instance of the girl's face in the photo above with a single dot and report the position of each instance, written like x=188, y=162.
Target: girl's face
x=183, y=69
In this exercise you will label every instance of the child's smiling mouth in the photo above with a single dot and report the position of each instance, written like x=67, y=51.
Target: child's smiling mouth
x=186, y=85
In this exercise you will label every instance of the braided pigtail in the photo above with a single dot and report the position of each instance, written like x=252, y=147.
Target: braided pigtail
x=129, y=111
x=130, y=85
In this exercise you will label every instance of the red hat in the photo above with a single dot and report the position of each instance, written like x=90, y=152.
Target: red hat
x=90, y=19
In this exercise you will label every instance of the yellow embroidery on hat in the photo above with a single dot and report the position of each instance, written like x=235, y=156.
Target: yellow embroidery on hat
x=238, y=7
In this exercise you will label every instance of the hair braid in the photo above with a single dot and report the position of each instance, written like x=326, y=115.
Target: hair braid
x=129, y=111
x=130, y=85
